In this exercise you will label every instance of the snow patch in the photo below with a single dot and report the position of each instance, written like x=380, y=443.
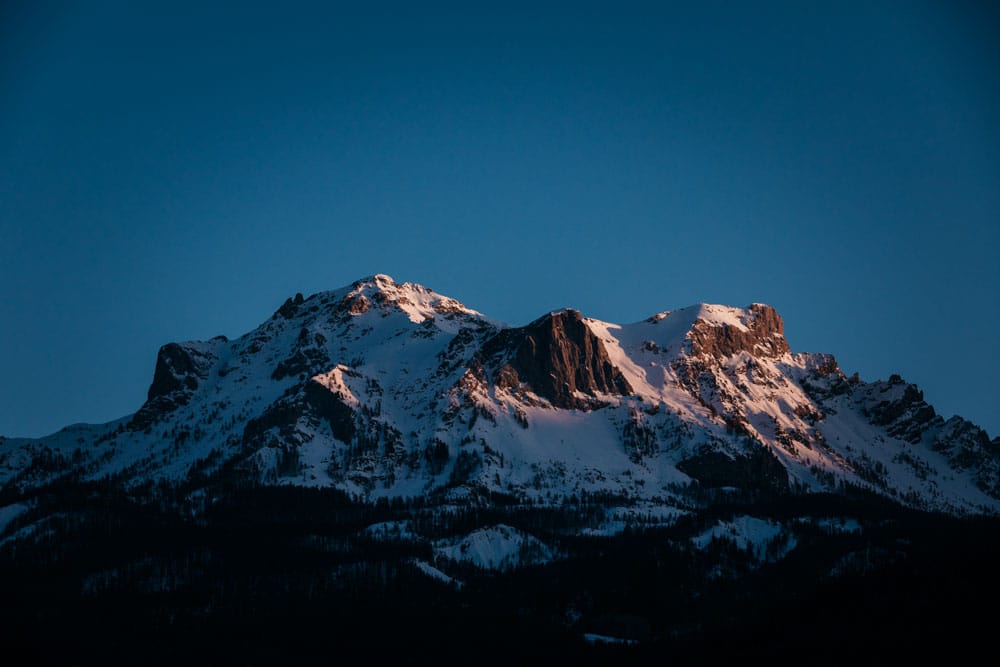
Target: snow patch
x=498, y=548
x=436, y=574
x=765, y=539
x=718, y=316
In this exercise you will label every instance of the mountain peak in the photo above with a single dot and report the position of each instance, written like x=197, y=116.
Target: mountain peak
x=378, y=280
x=722, y=315
x=723, y=331
x=420, y=303
x=717, y=314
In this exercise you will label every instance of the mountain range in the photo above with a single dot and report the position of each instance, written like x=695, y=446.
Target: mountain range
x=379, y=471
x=386, y=389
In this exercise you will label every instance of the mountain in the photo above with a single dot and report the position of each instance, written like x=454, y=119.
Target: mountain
x=378, y=472
x=386, y=389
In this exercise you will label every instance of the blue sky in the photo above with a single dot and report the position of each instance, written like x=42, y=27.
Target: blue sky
x=176, y=171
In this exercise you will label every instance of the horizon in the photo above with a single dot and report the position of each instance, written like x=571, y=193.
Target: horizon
x=175, y=171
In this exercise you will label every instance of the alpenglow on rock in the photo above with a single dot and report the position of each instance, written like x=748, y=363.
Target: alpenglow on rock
x=390, y=389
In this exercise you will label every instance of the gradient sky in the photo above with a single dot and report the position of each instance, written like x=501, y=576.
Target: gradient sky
x=176, y=172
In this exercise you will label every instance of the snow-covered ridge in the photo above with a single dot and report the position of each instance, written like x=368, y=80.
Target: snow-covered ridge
x=391, y=389
x=714, y=314
x=418, y=302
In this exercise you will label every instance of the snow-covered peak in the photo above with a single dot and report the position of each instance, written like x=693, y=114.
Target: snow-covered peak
x=714, y=314
x=418, y=302
x=701, y=329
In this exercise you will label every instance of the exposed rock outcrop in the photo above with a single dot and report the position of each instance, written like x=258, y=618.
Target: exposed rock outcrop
x=180, y=368
x=290, y=307
x=559, y=358
x=900, y=407
x=177, y=368
x=764, y=336
x=311, y=403
x=309, y=357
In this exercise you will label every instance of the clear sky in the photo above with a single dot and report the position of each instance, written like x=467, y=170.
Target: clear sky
x=175, y=172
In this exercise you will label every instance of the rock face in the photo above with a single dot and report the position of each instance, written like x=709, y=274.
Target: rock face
x=312, y=403
x=764, y=335
x=558, y=357
x=309, y=357
x=179, y=371
x=900, y=408
x=290, y=307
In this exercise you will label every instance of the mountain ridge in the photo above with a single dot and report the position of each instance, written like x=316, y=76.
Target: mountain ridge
x=391, y=389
